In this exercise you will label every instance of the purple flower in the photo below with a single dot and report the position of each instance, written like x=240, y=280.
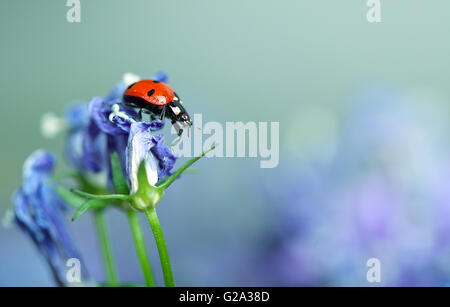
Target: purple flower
x=103, y=127
x=38, y=213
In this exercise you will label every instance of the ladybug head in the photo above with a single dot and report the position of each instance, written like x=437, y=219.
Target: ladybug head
x=178, y=113
x=184, y=118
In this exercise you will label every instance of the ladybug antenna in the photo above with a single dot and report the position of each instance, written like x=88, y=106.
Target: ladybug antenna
x=196, y=127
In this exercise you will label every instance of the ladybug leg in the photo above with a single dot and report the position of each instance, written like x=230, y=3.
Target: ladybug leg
x=179, y=133
x=175, y=142
x=163, y=113
x=140, y=115
x=177, y=127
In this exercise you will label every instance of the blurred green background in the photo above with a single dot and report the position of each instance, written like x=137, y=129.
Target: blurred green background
x=296, y=62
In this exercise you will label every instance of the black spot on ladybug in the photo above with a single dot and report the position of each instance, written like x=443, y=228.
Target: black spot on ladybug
x=156, y=81
x=151, y=92
x=131, y=85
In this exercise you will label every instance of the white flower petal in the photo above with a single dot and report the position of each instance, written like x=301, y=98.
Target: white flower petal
x=138, y=150
x=52, y=125
x=130, y=78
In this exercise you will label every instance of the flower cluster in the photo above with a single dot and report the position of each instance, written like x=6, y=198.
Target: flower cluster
x=105, y=126
x=382, y=193
x=111, y=150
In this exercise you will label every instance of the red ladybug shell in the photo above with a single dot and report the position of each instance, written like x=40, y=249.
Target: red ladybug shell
x=154, y=92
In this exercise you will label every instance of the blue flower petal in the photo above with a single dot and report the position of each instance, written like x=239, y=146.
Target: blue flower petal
x=37, y=168
x=93, y=148
x=100, y=112
x=161, y=76
x=166, y=158
x=77, y=116
x=115, y=95
x=157, y=125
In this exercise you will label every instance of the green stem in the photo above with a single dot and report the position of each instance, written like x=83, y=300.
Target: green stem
x=105, y=244
x=162, y=247
x=138, y=237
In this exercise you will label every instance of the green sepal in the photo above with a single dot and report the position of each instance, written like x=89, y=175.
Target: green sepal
x=87, y=205
x=146, y=196
x=167, y=182
x=66, y=174
x=142, y=178
x=69, y=197
x=162, y=181
x=77, y=201
x=192, y=171
x=120, y=183
x=101, y=197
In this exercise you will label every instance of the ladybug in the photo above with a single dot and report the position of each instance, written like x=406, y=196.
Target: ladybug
x=158, y=99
